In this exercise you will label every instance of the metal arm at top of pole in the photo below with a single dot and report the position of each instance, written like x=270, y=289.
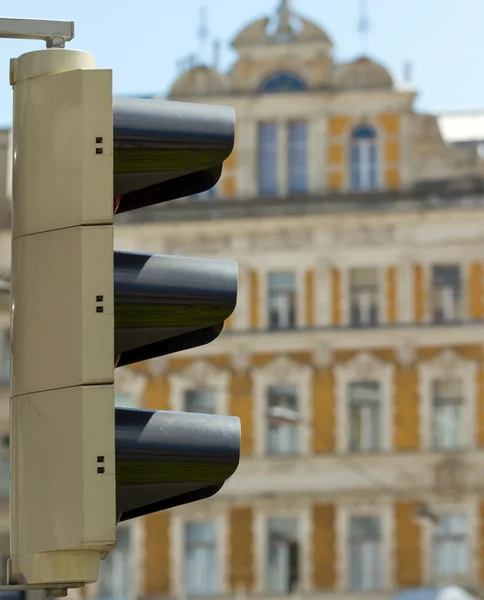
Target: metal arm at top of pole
x=54, y=33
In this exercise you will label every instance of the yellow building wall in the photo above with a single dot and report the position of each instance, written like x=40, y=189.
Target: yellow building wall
x=406, y=432
x=157, y=394
x=420, y=293
x=157, y=564
x=408, y=553
x=323, y=411
x=336, y=296
x=241, y=545
x=310, y=285
x=391, y=291
x=255, y=316
x=228, y=180
x=324, y=546
x=242, y=406
x=476, y=290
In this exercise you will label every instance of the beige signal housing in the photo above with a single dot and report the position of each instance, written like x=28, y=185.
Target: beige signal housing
x=62, y=501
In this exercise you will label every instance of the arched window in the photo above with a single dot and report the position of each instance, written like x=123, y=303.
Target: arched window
x=364, y=158
x=283, y=82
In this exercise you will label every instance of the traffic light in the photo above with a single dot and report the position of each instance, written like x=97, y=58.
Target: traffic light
x=80, y=310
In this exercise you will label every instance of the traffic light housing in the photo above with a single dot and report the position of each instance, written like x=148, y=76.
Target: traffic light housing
x=79, y=310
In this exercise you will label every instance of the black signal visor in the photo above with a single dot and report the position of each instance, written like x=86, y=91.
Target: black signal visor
x=165, y=150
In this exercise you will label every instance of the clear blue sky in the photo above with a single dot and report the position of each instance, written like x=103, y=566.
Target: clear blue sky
x=143, y=40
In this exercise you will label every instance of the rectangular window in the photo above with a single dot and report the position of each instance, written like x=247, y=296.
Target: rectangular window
x=114, y=577
x=201, y=400
x=123, y=400
x=364, y=166
x=365, y=553
x=268, y=158
x=282, y=300
x=283, y=415
x=447, y=301
x=365, y=409
x=451, y=555
x=283, y=555
x=448, y=409
x=297, y=157
x=364, y=297
x=5, y=374
x=5, y=465
x=201, y=558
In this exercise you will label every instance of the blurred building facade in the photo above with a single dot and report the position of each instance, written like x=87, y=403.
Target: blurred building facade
x=358, y=227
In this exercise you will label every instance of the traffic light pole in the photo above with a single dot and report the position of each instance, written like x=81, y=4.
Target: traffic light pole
x=80, y=310
x=62, y=493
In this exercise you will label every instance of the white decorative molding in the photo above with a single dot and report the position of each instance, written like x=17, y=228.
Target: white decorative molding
x=322, y=354
x=261, y=538
x=282, y=371
x=387, y=524
x=200, y=374
x=127, y=381
x=323, y=292
x=242, y=310
x=157, y=366
x=405, y=291
x=440, y=506
x=177, y=548
x=241, y=358
x=138, y=557
x=407, y=352
x=447, y=366
x=364, y=367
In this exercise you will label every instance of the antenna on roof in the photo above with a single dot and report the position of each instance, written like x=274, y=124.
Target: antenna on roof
x=364, y=26
x=203, y=34
x=407, y=72
x=216, y=55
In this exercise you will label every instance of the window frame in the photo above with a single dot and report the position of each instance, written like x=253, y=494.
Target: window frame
x=200, y=373
x=293, y=123
x=378, y=143
x=385, y=512
x=295, y=426
x=443, y=256
x=277, y=158
x=274, y=76
x=463, y=272
x=191, y=513
x=261, y=541
x=214, y=545
x=282, y=371
x=352, y=403
x=272, y=265
x=294, y=325
x=447, y=365
x=345, y=299
x=364, y=367
x=467, y=507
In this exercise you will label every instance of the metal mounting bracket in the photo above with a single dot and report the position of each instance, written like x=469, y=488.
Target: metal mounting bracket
x=54, y=33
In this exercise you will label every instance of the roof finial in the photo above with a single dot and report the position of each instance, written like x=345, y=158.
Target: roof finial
x=284, y=30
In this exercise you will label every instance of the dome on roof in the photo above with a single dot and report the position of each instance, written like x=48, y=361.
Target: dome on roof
x=300, y=30
x=362, y=73
x=200, y=80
